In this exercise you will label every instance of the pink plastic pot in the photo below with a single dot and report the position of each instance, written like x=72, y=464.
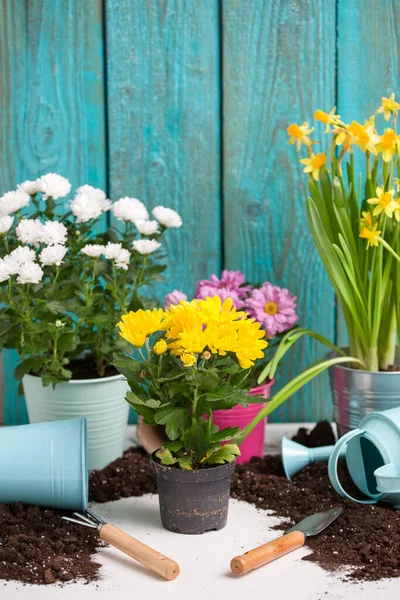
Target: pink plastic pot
x=240, y=416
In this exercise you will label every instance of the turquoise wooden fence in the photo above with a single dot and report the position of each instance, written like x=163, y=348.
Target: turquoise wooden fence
x=186, y=103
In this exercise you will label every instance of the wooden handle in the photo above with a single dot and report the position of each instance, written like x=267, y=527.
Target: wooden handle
x=148, y=557
x=267, y=552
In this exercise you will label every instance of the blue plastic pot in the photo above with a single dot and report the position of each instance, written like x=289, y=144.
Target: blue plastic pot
x=45, y=464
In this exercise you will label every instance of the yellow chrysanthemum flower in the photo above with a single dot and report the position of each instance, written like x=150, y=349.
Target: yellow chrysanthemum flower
x=188, y=360
x=250, y=343
x=298, y=134
x=389, y=107
x=214, y=309
x=365, y=135
x=135, y=327
x=327, y=118
x=384, y=201
x=160, y=347
x=314, y=164
x=371, y=235
x=388, y=144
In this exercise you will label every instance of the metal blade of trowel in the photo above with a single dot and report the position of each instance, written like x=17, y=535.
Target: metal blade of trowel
x=293, y=539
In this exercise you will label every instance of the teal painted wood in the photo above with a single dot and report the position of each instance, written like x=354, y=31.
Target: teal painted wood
x=164, y=123
x=278, y=66
x=368, y=67
x=52, y=107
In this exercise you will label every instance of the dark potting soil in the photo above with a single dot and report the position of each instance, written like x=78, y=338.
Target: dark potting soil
x=37, y=546
x=86, y=369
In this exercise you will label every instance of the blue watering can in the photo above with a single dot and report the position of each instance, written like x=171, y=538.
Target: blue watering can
x=372, y=454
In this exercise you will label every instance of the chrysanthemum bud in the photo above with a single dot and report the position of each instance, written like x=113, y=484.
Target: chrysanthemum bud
x=206, y=355
x=160, y=347
x=143, y=374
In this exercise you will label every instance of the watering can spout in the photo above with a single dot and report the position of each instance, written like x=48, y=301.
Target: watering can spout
x=295, y=456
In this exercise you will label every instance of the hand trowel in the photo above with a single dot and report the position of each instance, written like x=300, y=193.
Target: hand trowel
x=294, y=538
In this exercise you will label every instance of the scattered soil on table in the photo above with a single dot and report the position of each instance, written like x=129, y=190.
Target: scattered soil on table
x=130, y=475
x=37, y=546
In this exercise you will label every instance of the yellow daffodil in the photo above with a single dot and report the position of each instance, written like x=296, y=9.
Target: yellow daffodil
x=135, y=327
x=389, y=107
x=327, y=118
x=388, y=144
x=160, y=347
x=365, y=135
x=314, y=164
x=298, y=134
x=384, y=202
x=366, y=219
x=371, y=235
x=188, y=360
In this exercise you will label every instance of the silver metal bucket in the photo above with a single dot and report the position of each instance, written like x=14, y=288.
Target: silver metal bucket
x=357, y=393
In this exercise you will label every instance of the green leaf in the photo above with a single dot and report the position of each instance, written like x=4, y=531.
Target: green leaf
x=165, y=456
x=225, y=454
x=225, y=434
x=56, y=307
x=174, y=446
x=185, y=462
x=32, y=363
x=128, y=366
x=176, y=420
x=67, y=342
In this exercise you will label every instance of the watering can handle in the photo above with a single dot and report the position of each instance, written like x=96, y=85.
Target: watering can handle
x=333, y=464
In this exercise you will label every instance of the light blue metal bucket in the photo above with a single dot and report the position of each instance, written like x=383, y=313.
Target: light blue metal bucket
x=45, y=464
x=101, y=401
x=372, y=454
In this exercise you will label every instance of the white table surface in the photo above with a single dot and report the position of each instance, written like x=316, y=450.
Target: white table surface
x=204, y=559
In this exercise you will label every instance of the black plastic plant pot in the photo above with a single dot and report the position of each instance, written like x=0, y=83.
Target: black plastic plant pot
x=193, y=502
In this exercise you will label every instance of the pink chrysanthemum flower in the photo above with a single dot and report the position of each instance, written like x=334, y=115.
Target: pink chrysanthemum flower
x=229, y=286
x=273, y=307
x=210, y=291
x=173, y=298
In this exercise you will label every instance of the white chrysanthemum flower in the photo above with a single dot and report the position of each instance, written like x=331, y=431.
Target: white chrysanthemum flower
x=30, y=187
x=85, y=207
x=54, y=186
x=12, y=202
x=129, y=209
x=11, y=264
x=167, y=217
x=53, y=233
x=30, y=272
x=93, y=250
x=146, y=227
x=95, y=194
x=53, y=255
x=29, y=231
x=59, y=323
x=112, y=251
x=21, y=255
x=5, y=223
x=122, y=260
x=146, y=246
x=4, y=270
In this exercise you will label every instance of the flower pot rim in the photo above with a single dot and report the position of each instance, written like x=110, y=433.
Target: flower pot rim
x=363, y=371
x=198, y=474
x=84, y=381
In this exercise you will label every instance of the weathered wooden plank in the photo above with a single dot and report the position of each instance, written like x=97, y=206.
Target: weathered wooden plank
x=164, y=123
x=368, y=66
x=52, y=109
x=278, y=66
